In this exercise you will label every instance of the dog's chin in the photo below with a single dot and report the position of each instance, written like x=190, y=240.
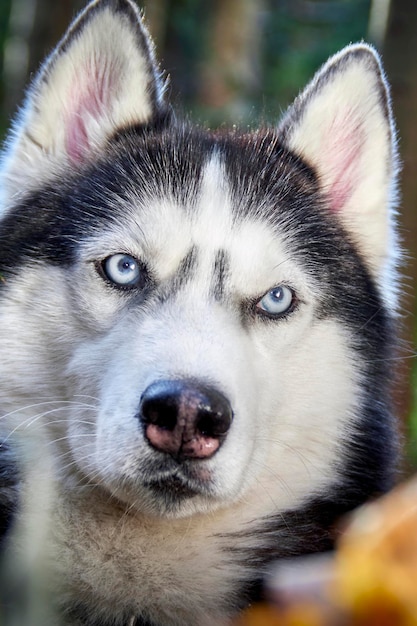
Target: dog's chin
x=167, y=495
x=175, y=497
x=172, y=488
x=164, y=501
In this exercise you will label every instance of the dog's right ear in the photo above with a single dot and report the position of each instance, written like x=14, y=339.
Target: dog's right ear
x=101, y=77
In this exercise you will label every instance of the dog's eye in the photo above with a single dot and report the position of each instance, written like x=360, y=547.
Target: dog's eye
x=122, y=269
x=277, y=302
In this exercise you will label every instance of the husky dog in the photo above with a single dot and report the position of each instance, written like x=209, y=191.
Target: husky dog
x=195, y=326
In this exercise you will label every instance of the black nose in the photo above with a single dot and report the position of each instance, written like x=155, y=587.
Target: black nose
x=185, y=418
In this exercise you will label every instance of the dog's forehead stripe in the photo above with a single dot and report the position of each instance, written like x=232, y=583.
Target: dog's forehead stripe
x=220, y=272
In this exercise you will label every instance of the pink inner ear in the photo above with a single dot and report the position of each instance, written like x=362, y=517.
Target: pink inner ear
x=341, y=161
x=90, y=96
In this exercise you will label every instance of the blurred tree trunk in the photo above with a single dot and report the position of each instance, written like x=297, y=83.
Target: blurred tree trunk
x=400, y=57
x=212, y=53
x=5, y=7
x=231, y=72
x=156, y=13
x=51, y=20
x=16, y=53
x=34, y=28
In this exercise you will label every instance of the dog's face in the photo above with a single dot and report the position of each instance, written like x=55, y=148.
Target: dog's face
x=187, y=309
x=177, y=302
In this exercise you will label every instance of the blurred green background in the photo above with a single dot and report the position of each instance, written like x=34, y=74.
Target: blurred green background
x=242, y=61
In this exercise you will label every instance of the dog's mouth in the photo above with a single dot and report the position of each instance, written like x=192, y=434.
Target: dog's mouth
x=179, y=483
x=173, y=495
x=173, y=488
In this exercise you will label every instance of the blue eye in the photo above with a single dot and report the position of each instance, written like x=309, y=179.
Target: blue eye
x=122, y=269
x=277, y=302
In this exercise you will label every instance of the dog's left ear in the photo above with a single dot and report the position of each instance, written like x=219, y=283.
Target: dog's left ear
x=342, y=126
x=101, y=77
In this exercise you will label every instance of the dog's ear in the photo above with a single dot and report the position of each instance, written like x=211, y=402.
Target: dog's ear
x=342, y=126
x=101, y=77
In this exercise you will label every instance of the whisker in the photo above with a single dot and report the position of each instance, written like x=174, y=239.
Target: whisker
x=29, y=422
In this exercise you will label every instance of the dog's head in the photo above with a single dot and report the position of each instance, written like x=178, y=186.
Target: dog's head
x=197, y=318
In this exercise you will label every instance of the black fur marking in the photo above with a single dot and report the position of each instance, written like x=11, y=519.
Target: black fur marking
x=220, y=272
x=9, y=488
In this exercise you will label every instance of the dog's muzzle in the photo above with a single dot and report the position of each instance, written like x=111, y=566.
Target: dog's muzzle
x=184, y=418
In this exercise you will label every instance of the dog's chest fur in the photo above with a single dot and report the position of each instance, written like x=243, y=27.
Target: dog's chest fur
x=118, y=562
